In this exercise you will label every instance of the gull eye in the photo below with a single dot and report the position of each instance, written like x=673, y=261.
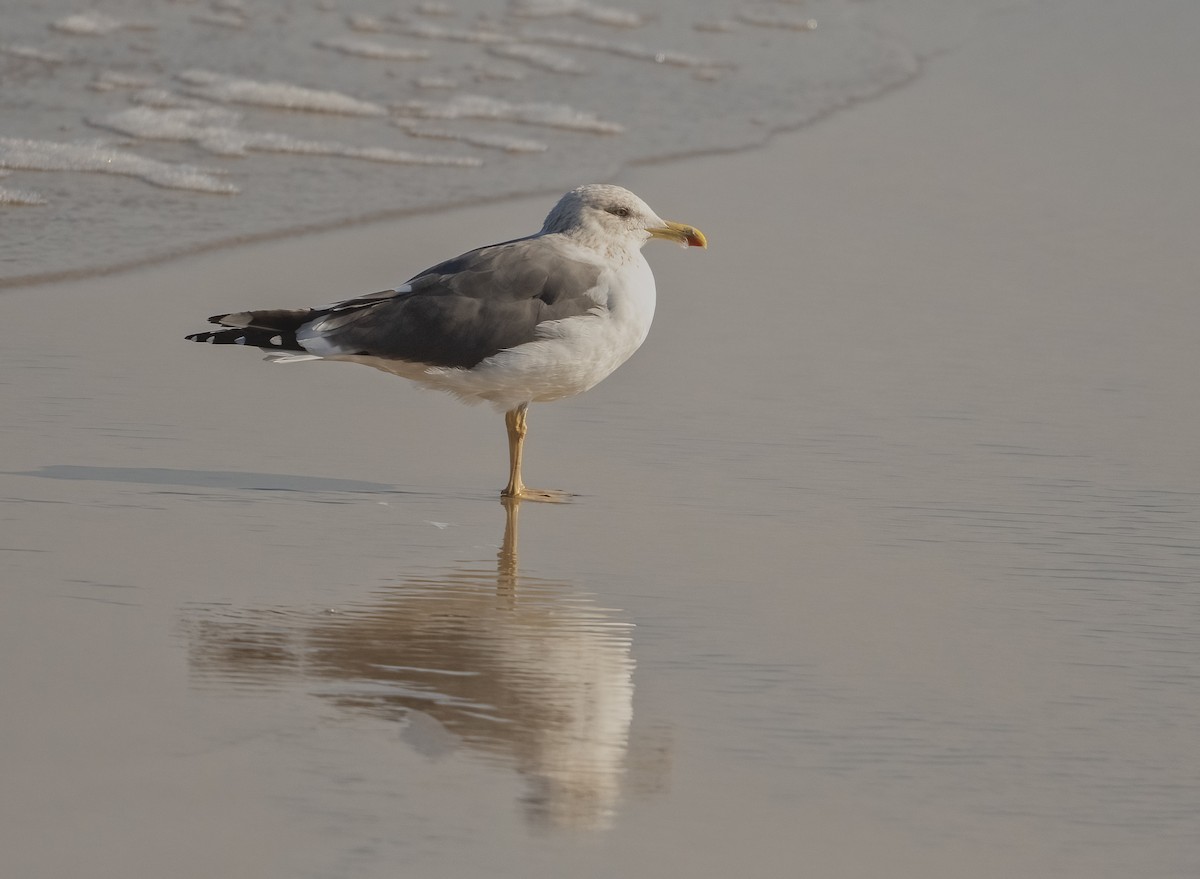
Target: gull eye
x=624, y=213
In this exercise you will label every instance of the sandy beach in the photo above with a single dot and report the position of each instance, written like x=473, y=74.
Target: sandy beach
x=884, y=559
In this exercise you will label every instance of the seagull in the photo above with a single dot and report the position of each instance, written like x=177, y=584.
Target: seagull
x=531, y=320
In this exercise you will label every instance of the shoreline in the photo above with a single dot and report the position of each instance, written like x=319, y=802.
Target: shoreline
x=40, y=279
x=284, y=171
x=888, y=534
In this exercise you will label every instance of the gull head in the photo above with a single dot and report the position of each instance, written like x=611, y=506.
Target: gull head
x=610, y=217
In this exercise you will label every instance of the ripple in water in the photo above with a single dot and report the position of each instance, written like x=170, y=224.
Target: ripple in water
x=607, y=85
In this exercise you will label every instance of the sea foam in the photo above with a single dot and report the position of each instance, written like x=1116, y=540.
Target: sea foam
x=532, y=113
x=216, y=130
x=362, y=48
x=99, y=158
x=87, y=24
x=280, y=95
x=536, y=56
x=609, y=15
x=623, y=49
x=547, y=92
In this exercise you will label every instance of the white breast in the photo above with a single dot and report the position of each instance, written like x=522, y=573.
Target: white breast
x=571, y=355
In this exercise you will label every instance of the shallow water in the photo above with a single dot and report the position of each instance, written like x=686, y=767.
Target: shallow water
x=205, y=124
x=885, y=559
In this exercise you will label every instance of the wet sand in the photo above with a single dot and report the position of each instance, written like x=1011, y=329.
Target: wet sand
x=884, y=559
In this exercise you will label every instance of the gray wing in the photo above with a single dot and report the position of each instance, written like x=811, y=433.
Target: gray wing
x=463, y=310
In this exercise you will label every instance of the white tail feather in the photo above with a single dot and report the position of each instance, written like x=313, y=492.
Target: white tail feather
x=291, y=358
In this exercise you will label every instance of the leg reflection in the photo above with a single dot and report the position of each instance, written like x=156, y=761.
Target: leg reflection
x=507, y=561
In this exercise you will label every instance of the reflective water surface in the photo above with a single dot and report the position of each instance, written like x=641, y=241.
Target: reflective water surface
x=531, y=673
x=884, y=558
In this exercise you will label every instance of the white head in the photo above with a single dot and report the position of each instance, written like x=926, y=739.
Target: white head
x=609, y=217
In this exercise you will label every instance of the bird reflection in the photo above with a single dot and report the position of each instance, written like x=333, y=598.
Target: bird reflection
x=528, y=671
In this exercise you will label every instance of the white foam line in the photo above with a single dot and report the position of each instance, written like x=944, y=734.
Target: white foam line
x=107, y=80
x=609, y=15
x=429, y=31
x=164, y=99
x=536, y=113
x=536, y=56
x=215, y=130
x=358, y=21
x=720, y=26
x=45, y=155
x=625, y=50
x=279, y=95
x=21, y=197
x=87, y=24
x=361, y=48
x=33, y=53
x=764, y=18
x=487, y=141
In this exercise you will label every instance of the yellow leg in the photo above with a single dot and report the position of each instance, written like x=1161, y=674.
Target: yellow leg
x=514, y=420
